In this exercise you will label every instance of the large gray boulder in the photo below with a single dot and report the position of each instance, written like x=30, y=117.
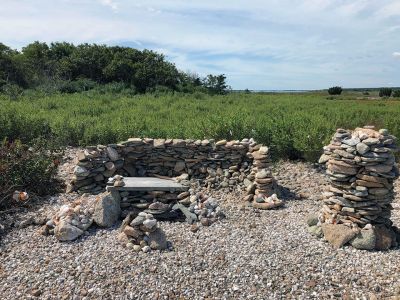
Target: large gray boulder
x=66, y=232
x=107, y=211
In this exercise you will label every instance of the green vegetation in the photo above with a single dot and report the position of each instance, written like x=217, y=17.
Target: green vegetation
x=385, y=92
x=293, y=125
x=396, y=93
x=25, y=169
x=335, y=90
x=66, y=68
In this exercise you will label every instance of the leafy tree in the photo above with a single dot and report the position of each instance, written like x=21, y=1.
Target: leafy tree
x=335, y=90
x=35, y=60
x=385, y=92
x=10, y=69
x=65, y=67
x=190, y=82
x=216, y=84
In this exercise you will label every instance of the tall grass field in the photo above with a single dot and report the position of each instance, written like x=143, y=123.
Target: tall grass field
x=293, y=125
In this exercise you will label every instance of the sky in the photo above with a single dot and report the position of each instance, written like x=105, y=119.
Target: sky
x=269, y=44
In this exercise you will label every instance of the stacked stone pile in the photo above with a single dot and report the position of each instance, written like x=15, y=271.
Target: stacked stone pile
x=361, y=168
x=71, y=220
x=218, y=165
x=141, y=233
x=262, y=188
x=205, y=208
x=264, y=181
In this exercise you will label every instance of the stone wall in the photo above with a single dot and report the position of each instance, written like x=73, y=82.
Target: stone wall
x=216, y=164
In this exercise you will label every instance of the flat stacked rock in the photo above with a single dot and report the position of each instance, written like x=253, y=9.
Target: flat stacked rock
x=191, y=206
x=263, y=202
x=222, y=164
x=361, y=168
x=133, y=201
x=141, y=233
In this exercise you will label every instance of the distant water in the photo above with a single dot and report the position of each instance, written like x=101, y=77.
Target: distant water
x=281, y=91
x=276, y=91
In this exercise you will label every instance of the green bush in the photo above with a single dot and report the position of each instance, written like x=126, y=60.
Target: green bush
x=396, y=93
x=12, y=91
x=120, y=88
x=77, y=86
x=26, y=169
x=385, y=92
x=335, y=90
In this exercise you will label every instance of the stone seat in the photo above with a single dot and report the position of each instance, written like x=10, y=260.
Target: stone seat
x=148, y=184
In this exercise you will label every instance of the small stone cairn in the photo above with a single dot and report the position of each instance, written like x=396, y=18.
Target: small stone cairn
x=262, y=191
x=141, y=233
x=357, y=207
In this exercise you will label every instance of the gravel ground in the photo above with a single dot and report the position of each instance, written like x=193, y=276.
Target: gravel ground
x=250, y=255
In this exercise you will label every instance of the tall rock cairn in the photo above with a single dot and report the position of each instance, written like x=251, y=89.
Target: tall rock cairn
x=264, y=181
x=361, y=168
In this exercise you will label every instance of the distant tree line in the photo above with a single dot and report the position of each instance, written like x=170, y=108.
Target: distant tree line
x=64, y=67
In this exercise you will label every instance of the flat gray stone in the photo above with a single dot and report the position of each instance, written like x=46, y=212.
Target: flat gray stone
x=148, y=184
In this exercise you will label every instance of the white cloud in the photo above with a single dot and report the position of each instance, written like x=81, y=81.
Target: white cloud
x=110, y=3
x=396, y=54
x=258, y=43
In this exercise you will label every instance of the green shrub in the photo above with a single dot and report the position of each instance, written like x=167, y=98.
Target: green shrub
x=335, y=90
x=120, y=88
x=385, y=92
x=13, y=91
x=160, y=90
x=77, y=86
x=396, y=93
x=26, y=169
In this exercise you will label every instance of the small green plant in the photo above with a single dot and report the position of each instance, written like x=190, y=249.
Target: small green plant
x=396, y=93
x=335, y=90
x=385, y=92
x=23, y=168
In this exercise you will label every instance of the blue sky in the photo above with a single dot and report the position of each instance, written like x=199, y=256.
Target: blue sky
x=269, y=44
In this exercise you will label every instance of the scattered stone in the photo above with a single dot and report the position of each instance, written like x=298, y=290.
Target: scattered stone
x=316, y=231
x=157, y=240
x=66, y=232
x=364, y=240
x=312, y=220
